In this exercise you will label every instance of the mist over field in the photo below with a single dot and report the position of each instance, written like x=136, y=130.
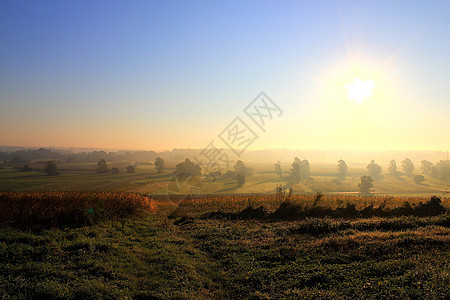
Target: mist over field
x=264, y=156
x=406, y=173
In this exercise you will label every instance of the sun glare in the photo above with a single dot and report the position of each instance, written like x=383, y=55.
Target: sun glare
x=359, y=90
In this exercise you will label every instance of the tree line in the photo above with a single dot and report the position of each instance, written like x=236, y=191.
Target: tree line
x=441, y=170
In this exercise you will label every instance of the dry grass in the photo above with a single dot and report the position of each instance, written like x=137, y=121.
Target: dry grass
x=55, y=209
x=193, y=207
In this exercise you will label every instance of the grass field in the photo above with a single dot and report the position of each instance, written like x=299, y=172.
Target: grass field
x=177, y=253
x=397, y=258
x=82, y=177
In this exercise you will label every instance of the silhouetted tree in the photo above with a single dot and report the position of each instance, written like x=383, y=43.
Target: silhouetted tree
x=305, y=169
x=342, y=169
x=374, y=170
x=419, y=179
x=159, y=164
x=300, y=169
x=241, y=172
x=295, y=171
x=443, y=170
x=239, y=167
x=426, y=167
x=408, y=166
x=278, y=169
x=115, y=171
x=51, y=169
x=131, y=169
x=240, y=179
x=187, y=168
x=102, y=167
x=393, y=168
x=365, y=185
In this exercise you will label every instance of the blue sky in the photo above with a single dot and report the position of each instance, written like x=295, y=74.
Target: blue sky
x=159, y=75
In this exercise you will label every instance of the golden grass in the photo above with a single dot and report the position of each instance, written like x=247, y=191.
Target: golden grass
x=51, y=209
x=192, y=206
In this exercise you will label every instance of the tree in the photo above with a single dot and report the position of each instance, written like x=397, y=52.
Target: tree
x=426, y=167
x=51, y=169
x=300, y=169
x=374, y=170
x=131, y=169
x=419, y=179
x=443, y=170
x=115, y=171
x=159, y=165
x=342, y=169
x=239, y=167
x=241, y=172
x=365, y=185
x=240, y=179
x=102, y=167
x=295, y=171
x=393, y=168
x=278, y=169
x=305, y=169
x=188, y=168
x=408, y=166
x=434, y=172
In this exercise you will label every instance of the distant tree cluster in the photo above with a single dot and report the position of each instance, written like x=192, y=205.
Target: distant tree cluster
x=440, y=170
x=300, y=169
x=342, y=169
x=25, y=156
x=393, y=168
x=111, y=156
x=188, y=168
x=366, y=185
x=374, y=170
x=278, y=169
x=131, y=169
x=427, y=167
x=102, y=167
x=408, y=166
x=51, y=169
x=242, y=171
x=159, y=165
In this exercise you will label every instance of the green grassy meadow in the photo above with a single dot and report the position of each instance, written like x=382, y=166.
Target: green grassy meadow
x=152, y=258
x=82, y=177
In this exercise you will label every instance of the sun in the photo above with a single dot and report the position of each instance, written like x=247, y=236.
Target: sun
x=359, y=90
